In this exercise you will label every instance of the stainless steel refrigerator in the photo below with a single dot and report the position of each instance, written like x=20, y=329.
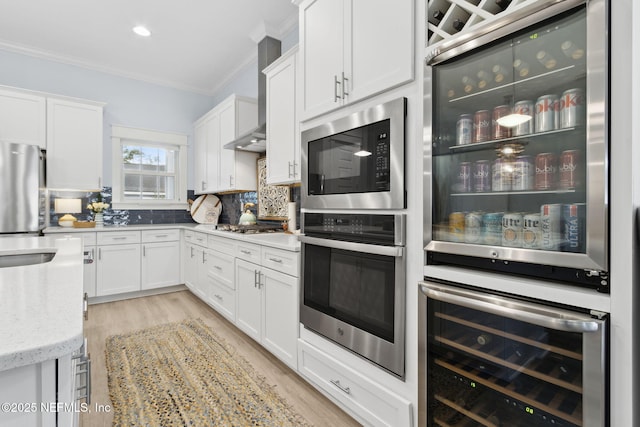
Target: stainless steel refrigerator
x=21, y=188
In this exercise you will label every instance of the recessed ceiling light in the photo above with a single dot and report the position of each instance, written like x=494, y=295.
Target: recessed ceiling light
x=141, y=31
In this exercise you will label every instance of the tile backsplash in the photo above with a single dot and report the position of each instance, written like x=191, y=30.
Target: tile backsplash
x=231, y=209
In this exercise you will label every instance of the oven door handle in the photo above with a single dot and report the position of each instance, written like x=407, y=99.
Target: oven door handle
x=394, y=251
x=548, y=317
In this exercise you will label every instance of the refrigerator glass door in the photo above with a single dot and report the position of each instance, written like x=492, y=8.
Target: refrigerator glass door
x=518, y=151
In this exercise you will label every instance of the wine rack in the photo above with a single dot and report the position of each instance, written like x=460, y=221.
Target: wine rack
x=446, y=18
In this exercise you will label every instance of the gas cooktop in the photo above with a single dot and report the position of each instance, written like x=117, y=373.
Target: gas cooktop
x=250, y=229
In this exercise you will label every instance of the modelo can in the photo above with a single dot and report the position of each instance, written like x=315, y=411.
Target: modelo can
x=464, y=180
x=501, y=172
x=456, y=226
x=512, y=229
x=547, y=113
x=473, y=227
x=523, y=174
x=569, y=169
x=531, y=233
x=572, y=108
x=481, y=126
x=492, y=228
x=525, y=108
x=464, y=129
x=482, y=176
x=573, y=221
x=550, y=223
x=546, y=171
x=500, y=132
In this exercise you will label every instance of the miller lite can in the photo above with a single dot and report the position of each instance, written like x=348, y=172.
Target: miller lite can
x=531, y=233
x=456, y=227
x=464, y=129
x=573, y=220
x=547, y=113
x=572, y=108
x=512, y=229
x=525, y=108
x=473, y=227
x=481, y=126
x=550, y=224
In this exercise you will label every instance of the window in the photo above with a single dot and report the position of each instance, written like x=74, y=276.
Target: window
x=149, y=169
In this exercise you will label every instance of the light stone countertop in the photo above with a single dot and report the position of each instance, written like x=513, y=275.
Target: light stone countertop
x=41, y=314
x=279, y=240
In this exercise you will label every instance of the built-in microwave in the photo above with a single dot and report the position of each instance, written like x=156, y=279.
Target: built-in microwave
x=357, y=161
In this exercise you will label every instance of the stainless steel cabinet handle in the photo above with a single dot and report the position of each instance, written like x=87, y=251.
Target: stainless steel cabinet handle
x=276, y=260
x=191, y=251
x=162, y=235
x=335, y=88
x=294, y=169
x=344, y=86
x=260, y=280
x=144, y=250
x=290, y=169
x=336, y=383
x=548, y=317
x=217, y=267
x=204, y=185
x=244, y=251
x=395, y=251
x=203, y=257
x=230, y=180
x=255, y=278
x=99, y=253
x=119, y=238
x=86, y=306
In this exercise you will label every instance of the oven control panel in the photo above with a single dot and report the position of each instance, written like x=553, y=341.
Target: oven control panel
x=366, y=228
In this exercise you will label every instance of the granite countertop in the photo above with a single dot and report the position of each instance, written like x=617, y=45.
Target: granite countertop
x=42, y=304
x=279, y=240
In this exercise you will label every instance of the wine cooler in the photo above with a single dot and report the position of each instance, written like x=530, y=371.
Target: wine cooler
x=517, y=132
x=490, y=360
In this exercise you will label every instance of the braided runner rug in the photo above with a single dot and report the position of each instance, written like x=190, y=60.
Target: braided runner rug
x=182, y=374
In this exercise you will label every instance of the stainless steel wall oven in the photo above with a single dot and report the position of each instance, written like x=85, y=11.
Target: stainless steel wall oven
x=353, y=293
x=495, y=361
x=356, y=162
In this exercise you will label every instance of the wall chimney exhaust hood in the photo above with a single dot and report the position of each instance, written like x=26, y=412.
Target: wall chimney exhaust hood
x=269, y=49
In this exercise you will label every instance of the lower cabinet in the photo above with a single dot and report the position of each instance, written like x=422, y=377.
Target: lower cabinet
x=160, y=258
x=220, y=278
x=268, y=309
x=376, y=405
x=118, y=269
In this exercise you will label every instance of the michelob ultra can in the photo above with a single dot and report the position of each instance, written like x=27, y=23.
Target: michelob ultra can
x=550, y=223
x=573, y=220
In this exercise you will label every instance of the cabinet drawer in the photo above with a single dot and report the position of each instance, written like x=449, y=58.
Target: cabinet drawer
x=150, y=236
x=189, y=236
x=221, y=267
x=280, y=260
x=88, y=239
x=223, y=300
x=200, y=239
x=222, y=244
x=118, y=237
x=248, y=252
x=375, y=404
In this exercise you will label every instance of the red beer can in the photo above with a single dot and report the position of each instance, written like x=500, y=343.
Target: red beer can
x=481, y=126
x=546, y=171
x=569, y=169
x=500, y=132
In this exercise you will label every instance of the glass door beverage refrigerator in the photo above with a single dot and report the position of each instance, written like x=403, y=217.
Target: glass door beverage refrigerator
x=518, y=164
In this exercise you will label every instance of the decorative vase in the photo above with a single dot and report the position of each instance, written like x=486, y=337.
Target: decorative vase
x=99, y=219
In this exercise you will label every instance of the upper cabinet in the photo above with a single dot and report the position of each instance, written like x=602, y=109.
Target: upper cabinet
x=283, y=136
x=74, y=144
x=23, y=118
x=219, y=169
x=352, y=49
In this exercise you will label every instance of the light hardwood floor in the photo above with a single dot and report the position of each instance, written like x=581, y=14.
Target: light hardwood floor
x=123, y=316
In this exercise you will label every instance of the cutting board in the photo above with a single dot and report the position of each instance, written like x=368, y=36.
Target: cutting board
x=206, y=209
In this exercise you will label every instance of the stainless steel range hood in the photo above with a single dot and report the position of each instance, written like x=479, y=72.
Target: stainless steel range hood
x=269, y=49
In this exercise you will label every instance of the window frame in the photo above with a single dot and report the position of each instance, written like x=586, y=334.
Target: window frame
x=148, y=138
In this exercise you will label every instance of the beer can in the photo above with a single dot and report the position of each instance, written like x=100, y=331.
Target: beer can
x=569, y=169
x=512, y=229
x=550, y=223
x=500, y=132
x=523, y=174
x=546, y=171
x=501, y=172
x=456, y=226
x=473, y=227
x=573, y=221
x=547, y=113
x=492, y=228
x=525, y=108
x=481, y=126
x=464, y=180
x=464, y=129
x=482, y=176
x=572, y=111
x=531, y=233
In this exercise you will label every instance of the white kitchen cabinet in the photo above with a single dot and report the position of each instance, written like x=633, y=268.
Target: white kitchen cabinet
x=118, y=264
x=23, y=118
x=74, y=144
x=348, y=53
x=219, y=169
x=160, y=258
x=283, y=136
x=89, y=267
x=249, y=313
x=220, y=267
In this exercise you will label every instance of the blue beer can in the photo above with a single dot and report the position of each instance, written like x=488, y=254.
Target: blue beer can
x=492, y=228
x=573, y=223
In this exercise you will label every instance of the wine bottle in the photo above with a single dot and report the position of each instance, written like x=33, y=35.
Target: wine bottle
x=499, y=73
x=546, y=59
x=483, y=79
x=571, y=50
x=438, y=15
x=521, y=67
x=503, y=4
x=469, y=84
x=483, y=339
x=458, y=24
